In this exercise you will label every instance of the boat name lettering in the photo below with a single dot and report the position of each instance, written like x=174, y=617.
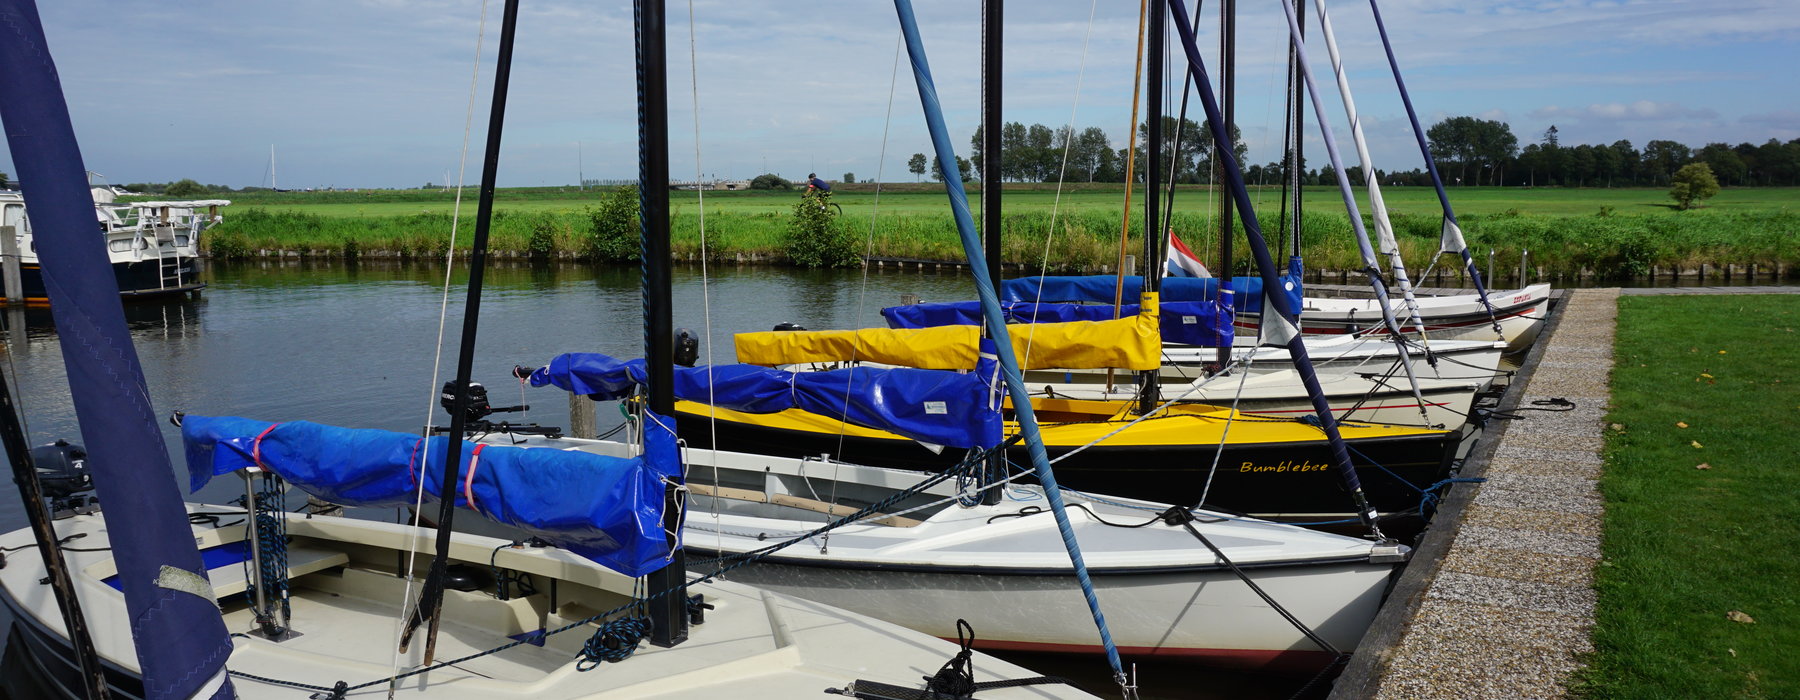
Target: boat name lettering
x=1284, y=466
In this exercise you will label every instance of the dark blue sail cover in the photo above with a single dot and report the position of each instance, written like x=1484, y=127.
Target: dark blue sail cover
x=608, y=509
x=1098, y=289
x=954, y=409
x=1203, y=323
x=180, y=639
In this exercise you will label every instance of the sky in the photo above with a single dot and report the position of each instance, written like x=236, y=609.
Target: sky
x=377, y=93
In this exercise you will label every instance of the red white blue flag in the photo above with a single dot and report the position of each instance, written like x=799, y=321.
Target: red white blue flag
x=1181, y=261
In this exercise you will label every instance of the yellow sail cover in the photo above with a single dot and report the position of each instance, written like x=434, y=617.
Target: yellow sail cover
x=1132, y=343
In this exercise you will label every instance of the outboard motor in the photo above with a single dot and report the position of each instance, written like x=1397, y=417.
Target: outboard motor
x=63, y=475
x=687, y=348
x=478, y=406
x=789, y=326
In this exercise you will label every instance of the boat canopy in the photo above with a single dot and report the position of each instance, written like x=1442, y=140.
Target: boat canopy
x=955, y=409
x=1202, y=323
x=1133, y=343
x=1098, y=289
x=608, y=509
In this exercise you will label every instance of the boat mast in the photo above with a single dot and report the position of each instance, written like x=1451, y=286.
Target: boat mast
x=995, y=322
x=992, y=30
x=668, y=614
x=31, y=496
x=272, y=184
x=432, y=599
x=180, y=637
x=1228, y=91
x=1148, y=380
x=1299, y=146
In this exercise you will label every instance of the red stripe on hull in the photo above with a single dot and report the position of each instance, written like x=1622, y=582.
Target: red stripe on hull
x=1249, y=659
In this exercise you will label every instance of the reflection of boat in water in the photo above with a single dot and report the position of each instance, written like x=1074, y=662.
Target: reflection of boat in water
x=152, y=245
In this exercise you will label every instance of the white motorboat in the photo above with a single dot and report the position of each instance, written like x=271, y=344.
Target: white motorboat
x=1520, y=314
x=152, y=246
x=929, y=560
x=346, y=593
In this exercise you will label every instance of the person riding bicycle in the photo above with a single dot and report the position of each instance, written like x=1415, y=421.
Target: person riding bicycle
x=813, y=182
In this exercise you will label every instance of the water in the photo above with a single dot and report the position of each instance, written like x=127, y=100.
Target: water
x=352, y=345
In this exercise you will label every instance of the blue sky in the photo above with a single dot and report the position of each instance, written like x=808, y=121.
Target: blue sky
x=374, y=92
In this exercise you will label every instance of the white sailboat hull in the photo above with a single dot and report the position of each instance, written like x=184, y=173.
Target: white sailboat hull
x=1456, y=317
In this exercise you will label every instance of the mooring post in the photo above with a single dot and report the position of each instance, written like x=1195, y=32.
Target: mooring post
x=583, y=419
x=1130, y=265
x=9, y=265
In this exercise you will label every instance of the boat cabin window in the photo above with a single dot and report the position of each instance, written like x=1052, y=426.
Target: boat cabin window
x=15, y=216
x=119, y=245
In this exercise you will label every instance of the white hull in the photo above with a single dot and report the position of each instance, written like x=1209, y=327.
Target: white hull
x=1352, y=397
x=346, y=599
x=1457, y=317
x=1162, y=591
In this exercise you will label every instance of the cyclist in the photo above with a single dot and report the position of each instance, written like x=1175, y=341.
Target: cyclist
x=813, y=182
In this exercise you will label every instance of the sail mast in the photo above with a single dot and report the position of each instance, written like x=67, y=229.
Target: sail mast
x=431, y=600
x=1228, y=88
x=992, y=30
x=180, y=637
x=1148, y=380
x=995, y=321
x=668, y=614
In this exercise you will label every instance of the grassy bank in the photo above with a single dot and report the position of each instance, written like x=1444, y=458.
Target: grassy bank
x=1685, y=547
x=1623, y=233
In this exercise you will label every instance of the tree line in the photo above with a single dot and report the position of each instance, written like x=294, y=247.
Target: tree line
x=1467, y=150
x=1472, y=151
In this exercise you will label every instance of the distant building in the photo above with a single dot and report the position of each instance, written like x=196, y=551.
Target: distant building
x=710, y=184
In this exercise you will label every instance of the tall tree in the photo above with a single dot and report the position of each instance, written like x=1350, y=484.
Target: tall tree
x=916, y=166
x=1092, y=150
x=1628, y=157
x=1040, y=149
x=1014, y=161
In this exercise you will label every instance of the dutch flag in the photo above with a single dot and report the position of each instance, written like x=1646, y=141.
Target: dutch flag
x=1181, y=261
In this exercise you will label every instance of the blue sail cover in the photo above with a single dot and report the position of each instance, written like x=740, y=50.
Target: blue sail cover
x=1098, y=289
x=954, y=409
x=608, y=509
x=1203, y=323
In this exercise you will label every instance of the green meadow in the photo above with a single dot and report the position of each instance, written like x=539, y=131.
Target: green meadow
x=1696, y=585
x=1611, y=232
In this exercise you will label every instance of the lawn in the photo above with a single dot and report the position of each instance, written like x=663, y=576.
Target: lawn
x=1697, y=587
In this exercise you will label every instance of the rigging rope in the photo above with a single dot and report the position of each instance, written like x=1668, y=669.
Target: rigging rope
x=412, y=545
x=1062, y=173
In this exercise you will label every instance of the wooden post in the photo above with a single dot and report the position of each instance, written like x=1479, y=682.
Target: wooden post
x=582, y=417
x=9, y=265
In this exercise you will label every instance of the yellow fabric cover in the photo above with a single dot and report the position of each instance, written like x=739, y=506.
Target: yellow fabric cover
x=1132, y=343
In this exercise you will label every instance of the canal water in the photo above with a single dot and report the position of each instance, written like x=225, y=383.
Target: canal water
x=354, y=344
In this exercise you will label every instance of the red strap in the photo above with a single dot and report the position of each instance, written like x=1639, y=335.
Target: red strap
x=412, y=476
x=469, y=479
x=256, y=445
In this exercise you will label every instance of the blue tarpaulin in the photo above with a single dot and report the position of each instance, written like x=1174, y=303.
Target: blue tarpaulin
x=608, y=509
x=1098, y=289
x=954, y=409
x=1202, y=323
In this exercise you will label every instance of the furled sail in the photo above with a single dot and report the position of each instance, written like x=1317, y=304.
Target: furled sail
x=1098, y=289
x=1133, y=342
x=955, y=409
x=1202, y=323
x=608, y=509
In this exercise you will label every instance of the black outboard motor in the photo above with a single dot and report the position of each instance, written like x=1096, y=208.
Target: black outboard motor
x=478, y=406
x=687, y=348
x=789, y=326
x=63, y=475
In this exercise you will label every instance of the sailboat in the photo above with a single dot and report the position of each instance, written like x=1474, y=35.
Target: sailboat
x=310, y=602
x=1177, y=582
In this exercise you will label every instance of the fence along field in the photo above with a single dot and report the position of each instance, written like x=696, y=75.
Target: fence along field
x=1612, y=233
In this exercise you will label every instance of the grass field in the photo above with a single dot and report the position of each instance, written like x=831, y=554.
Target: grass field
x=1684, y=546
x=1614, y=232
